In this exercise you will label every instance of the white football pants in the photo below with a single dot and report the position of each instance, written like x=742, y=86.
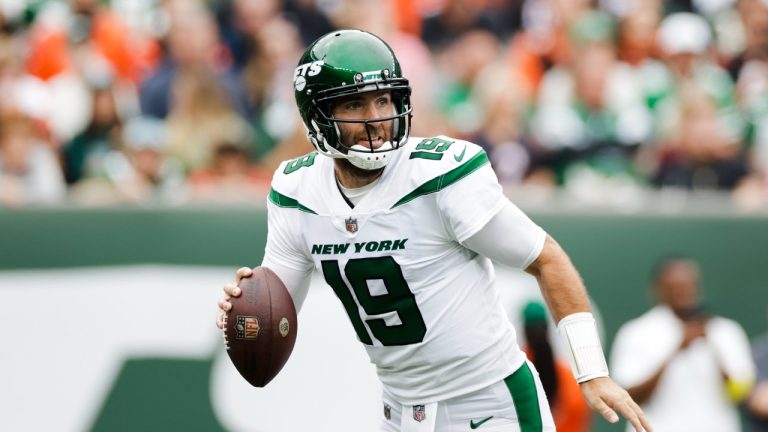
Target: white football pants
x=515, y=404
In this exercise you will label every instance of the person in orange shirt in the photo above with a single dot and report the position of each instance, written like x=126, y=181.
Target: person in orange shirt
x=92, y=27
x=569, y=409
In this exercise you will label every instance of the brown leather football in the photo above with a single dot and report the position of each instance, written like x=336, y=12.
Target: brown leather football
x=260, y=328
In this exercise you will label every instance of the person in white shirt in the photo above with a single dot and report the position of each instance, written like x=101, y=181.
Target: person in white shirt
x=685, y=366
x=403, y=230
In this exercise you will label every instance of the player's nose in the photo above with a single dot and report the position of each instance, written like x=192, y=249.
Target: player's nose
x=374, y=110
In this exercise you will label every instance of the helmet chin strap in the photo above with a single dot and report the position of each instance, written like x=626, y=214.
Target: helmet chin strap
x=362, y=157
x=358, y=155
x=366, y=158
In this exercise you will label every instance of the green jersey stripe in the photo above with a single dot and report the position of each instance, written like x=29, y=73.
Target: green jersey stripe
x=442, y=181
x=281, y=200
x=522, y=387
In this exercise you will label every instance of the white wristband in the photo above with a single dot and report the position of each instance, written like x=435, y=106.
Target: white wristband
x=579, y=333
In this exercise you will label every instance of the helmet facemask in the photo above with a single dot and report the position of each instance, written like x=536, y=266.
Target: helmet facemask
x=326, y=135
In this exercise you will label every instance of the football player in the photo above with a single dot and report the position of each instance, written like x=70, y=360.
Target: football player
x=404, y=229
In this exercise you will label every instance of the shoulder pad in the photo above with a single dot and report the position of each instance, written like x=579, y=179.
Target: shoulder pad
x=291, y=172
x=435, y=156
x=293, y=176
x=429, y=165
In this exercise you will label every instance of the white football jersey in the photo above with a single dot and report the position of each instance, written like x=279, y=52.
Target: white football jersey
x=424, y=306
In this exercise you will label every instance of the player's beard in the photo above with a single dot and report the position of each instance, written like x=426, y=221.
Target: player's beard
x=371, y=132
x=353, y=176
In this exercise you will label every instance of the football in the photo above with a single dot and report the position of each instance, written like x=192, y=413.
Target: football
x=261, y=327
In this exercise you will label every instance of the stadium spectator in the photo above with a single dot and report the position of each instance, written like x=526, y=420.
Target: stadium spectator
x=240, y=22
x=589, y=115
x=230, y=178
x=569, y=409
x=501, y=134
x=84, y=154
x=637, y=31
x=685, y=42
x=192, y=43
x=151, y=175
x=753, y=17
x=309, y=17
x=22, y=92
x=76, y=28
x=76, y=43
x=700, y=154
x=453, y=19
x=547, y=26
x=750, y=70
x=461, y=64
x=686, y=367
x=202, y=117
x=269, y=89
x=757, y=403
x=29, y=170
x=135, y=170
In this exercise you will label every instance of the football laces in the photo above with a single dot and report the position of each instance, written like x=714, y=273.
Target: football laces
x=224, y=332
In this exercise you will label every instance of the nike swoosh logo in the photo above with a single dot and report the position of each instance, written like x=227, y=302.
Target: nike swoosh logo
x=473, y=425
x=460, y=156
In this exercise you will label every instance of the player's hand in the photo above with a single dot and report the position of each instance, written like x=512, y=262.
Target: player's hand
x=231, y=290
x=606, y=397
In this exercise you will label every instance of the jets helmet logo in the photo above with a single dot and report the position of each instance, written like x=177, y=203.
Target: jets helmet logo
x=305, y=70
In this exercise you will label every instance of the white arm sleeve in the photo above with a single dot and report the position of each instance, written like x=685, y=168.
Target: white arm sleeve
x=296, y=281
x=468, y=204
x=284, y=256
x=510, y=237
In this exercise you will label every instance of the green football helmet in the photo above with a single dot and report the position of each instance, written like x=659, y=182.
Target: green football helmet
x=343, y=63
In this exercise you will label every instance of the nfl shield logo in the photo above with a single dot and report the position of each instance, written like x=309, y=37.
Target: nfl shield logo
x=351, y=224
x=387, y=412
x=418, y=413
x=247, y=327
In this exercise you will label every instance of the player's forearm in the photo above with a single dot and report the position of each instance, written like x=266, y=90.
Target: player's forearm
x=559, y=281
x=566, y=296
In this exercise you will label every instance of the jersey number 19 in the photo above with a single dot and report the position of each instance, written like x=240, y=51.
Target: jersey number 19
x=398, y=298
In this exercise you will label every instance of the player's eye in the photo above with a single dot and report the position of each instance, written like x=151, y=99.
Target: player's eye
x=353, y=106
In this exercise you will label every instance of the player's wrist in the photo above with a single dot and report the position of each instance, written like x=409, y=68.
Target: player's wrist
x=585, y=353
x=593, y=380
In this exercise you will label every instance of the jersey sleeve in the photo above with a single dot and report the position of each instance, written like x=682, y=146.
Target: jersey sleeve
x=731, y=344
x=510, y=237
x=470, y=202
x=284, y=255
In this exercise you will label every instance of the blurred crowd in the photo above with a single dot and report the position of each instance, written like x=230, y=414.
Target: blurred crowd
x=177, y=101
